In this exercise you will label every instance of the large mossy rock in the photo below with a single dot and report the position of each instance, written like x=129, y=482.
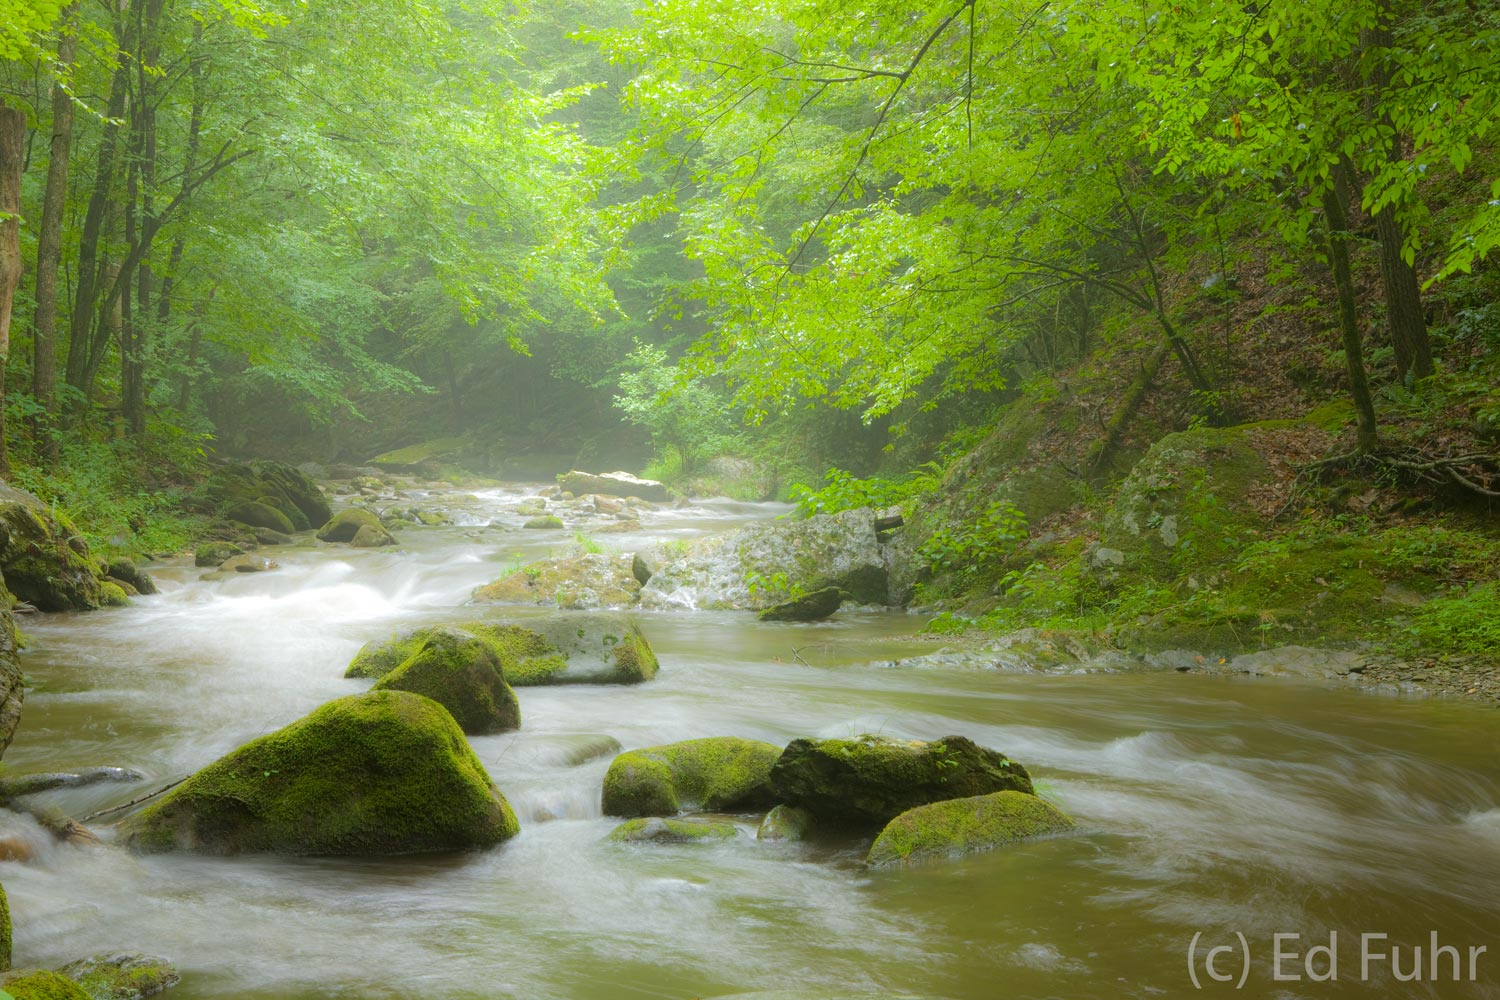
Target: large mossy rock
x=426, y=457
x=123, y=976
x=576, y=582
x=42, y=985
x=870, y=780
x=254, y=514
x=346, y=524
x=955, y=827
x=386, y=772
x=462, y=673
x=126, y=571
x=215, y=554
x=12, y=681
x=814, y=607
x=271, y=484
x=613, y=484
x=718, y=773
x=759, y=565
x=44, y=559
x=557, y=649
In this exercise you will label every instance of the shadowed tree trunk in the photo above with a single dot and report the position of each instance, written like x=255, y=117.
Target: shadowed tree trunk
x=12, y=163
x=1337, y=219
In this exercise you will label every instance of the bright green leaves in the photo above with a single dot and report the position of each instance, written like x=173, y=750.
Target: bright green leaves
x=21, y=24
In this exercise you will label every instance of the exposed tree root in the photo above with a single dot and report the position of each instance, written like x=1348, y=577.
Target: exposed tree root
x=1475, y=472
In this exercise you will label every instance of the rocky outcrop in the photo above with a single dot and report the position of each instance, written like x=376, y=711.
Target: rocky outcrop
x=12, y=682
x=45, y=561
x=126, y=571
x=463, y=674
x=814, y=607
x=870, y=780
x=956, y=827
x=122, y=976
x=387, y=772
x=254, y=514
x=655, y=830
x=613, y=484
x=372, y=537
x=271, y=484
x=575, y=582
x=346, y=524
x=717, y=773
x=761, y=564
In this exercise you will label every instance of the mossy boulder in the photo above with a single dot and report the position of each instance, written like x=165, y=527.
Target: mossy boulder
x=44, y=559
x=655, y=830
x=42, y=985
x=544, y=522
x=248, y=563
x=717, y=773
x=126, y=571
x=956, y=827
x=558, y=649
x=122, y=976
x=254, y=514
x=582, y=581
x=462, y=673
x=814, y=607
x=343, y=526
x=426, y=457
x=372, y=537
x=785, y=823
x=612, y=484
x=113, y=595
x=870, y=780
x=761, y=565
x=271, y=484
x=12, y=681
x=213, y=554
x=386, y=772
x=5, y=932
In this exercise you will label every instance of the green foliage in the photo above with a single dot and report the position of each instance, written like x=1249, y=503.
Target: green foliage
x=843, y=491
x=686, y=417
x=979, y=547
x=1465, y=620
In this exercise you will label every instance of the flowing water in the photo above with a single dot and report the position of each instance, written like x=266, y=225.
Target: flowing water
x=1205, y=804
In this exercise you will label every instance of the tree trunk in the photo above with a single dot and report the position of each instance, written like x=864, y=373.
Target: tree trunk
x=49, y=248
x=1338, y=259
x=12, y=163
x=1405, y=319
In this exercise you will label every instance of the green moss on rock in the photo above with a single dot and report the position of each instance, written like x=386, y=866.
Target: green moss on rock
x=956, y=827
x=372, y=537
x=5, y=932
x=785, y=823
x=544, y=522
x=870, y=780
x=216, y=553
x=379, y=657
x=113, y=595
x=44, y=559
x=255, y=514
x=122, y=976
x=655, y=830
x=386, y=772
x=344, y=525
x=462, y=673
x=42, y=985
x=272, y=484
x=717, y=773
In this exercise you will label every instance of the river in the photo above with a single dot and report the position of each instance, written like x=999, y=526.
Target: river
x=1218, y=805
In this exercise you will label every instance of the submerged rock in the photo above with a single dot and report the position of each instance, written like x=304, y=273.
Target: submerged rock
x=387, y=772
x=760, y=565
x=42, y=985
x=613, y=484
x=45, y=561
x=784, y=823
x=717, y=773
x=654, y=830
x=216, y=553
x=870, y=780
x=124, y=976
x=249, y=563
x=463, y=674
x=587, y=580
x=812, y=607
x=271, y=484
x=956, y=827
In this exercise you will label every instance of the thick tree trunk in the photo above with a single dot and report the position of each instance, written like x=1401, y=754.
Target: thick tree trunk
x=49, y=248
x=1338, y=259
x=12, y=164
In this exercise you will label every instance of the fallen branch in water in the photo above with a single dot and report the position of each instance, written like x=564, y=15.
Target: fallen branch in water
x=133, y=802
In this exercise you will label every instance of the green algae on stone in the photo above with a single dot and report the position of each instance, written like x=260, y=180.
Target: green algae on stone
x=386, y=772
x=716, y=773
x=655, y=830
x=870, y=780
x=544, y=522
x=42, y=985
x=462, y=673
x=122, y=976
x=254, y=514
x=5, y=931
x=113, y=595
x=955, y=827
x=44, y=558
x=344, y=525
x=216, y=553
x=785, y=823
